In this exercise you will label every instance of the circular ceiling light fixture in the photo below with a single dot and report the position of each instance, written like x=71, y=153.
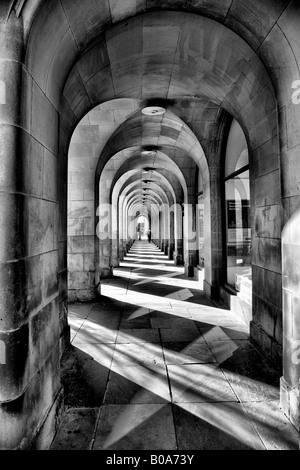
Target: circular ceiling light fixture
x=154, y=111
x=148, y=153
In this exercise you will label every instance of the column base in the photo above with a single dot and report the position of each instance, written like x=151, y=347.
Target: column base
x=212, y=292
x=199, y=274
x=189, y=271
x=178, y=260
x=105, y=273
x=290, y=402
x=82, y=295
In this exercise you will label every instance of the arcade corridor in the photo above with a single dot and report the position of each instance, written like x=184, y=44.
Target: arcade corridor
x=173, y=121
x=155, y=365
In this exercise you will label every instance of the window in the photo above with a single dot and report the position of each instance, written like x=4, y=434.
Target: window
x=238, y=220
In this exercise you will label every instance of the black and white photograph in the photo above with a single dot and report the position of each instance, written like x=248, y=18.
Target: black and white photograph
x=149, y=228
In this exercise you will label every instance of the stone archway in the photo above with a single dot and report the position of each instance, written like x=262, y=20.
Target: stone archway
x=33, y=248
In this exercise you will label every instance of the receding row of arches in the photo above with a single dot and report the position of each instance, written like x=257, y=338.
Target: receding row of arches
x=216, y=175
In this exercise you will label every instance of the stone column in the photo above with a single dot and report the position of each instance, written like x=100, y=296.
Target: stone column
x=14, y=333
x=190, y=234
x=166, y=234
x=291, y=325
x=29, y=309
x=172, y=243
x=178, y=242
x=104, y=234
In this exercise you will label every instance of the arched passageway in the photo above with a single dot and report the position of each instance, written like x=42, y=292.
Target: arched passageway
x=83, y=153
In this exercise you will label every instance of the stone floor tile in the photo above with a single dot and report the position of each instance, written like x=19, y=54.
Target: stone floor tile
x=138, y=335
x=222, y=350
x=76, y=429
x=80, y=309
x=170, y=312
x=250, y=374
x=135, y=319
x=137, y=353
x=107, y=318
x=214, y=426
x=188, y=353
x=95, y=335
x=73, y=332
x=135, y=427
x=174, y=322
x=224, y=393
x=101, y=353
x=199, y=383
x=137, y=384
x=169, y=335
x=75, y=321
x=217, y=333
x=275, y=430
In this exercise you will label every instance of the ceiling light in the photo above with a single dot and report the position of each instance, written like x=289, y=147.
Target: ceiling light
x=148, y=153
x=153, y=111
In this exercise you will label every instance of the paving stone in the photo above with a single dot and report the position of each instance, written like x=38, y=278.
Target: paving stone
x=101, y=353
x=135, y=427
x=249, y=373
x=95, y=335
x=216, y=333
x=85, y=375
x=81, y=310
x=188, y=353
x=76, y=429
x=133, y=377
x=141, y=353
x=137, y=384
x=275, y=430
x=199, y=383
x=107, y=318
x=173, y=322
x=138, y=335
x=218, y=426
x=170, y=335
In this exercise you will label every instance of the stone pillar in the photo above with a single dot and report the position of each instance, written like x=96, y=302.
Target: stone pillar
x=172, y=243
x=29, y=311
x=190, y=234
x=291, y=320
x=178, y=241
x=104, y=234
x=14, y=334
x=114, y=237
x=165, y=227
x=212, y=230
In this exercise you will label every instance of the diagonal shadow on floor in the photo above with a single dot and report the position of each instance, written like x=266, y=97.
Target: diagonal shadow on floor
x=150, y=370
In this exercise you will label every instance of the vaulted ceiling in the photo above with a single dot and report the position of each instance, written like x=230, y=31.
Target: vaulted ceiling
x=201, y=60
